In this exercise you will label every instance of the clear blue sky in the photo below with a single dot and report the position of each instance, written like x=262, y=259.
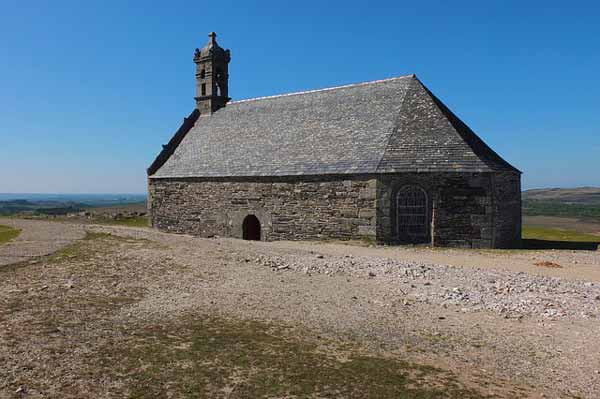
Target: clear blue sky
x=89, y=90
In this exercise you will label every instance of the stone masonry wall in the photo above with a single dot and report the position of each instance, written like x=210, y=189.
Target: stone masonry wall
x=473, y=210
x=507, y=207
x=287, y=208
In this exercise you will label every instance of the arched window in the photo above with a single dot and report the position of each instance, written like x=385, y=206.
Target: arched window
x=412, y=214
x=251, y=228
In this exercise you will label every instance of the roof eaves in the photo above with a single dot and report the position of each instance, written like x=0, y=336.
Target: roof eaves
x=169, y=148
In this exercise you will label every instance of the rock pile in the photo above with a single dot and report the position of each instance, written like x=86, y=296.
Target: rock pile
x=512, y=294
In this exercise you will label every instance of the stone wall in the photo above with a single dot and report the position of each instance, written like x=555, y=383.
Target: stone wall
x=287, y=208
x=507, y=207
x=473, y=210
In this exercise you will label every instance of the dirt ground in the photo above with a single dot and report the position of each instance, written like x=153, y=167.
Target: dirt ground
x=70, y=321
x=37, y=238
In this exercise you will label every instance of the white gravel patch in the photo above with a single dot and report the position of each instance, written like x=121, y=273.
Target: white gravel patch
x=508, y=293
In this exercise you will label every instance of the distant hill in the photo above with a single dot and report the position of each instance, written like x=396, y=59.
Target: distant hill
x=582, y=203
x=62, y=204
x=12, y=207
x=87, y=199
x=579, y=196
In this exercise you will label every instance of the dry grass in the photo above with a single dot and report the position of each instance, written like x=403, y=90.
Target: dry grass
x=231, y=358
x=546, y=263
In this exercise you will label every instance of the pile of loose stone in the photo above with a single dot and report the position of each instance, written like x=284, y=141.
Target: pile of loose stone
x=508, y=293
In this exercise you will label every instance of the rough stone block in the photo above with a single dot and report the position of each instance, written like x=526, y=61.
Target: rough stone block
x=366, y=213
x=366, y=231
x=349, y=212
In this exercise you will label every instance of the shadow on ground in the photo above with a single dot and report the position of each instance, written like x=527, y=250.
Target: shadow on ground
x=547, y=244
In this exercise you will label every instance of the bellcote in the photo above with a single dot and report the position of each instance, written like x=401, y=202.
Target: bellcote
x=212, y=76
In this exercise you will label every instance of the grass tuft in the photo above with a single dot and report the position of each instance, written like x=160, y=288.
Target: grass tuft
x=222, y=358
x=7, y=233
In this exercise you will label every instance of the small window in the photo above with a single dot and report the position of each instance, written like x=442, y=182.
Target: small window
x=202, y=74
x=203, y=89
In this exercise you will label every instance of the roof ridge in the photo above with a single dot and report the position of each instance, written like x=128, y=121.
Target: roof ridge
x=324, y=89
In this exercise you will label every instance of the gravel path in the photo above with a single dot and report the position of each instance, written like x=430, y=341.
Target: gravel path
x=37, y=238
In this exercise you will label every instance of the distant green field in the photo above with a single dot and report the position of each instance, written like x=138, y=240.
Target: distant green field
x=554, y=234
x=555, y=208
x=7, y=233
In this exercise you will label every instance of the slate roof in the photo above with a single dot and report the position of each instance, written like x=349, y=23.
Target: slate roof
x=386, y=126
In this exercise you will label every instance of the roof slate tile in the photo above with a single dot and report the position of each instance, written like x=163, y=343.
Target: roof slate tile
x=394, y=125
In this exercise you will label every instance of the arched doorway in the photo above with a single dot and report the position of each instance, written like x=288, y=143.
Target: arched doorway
x=251, y=228
x=412, y=215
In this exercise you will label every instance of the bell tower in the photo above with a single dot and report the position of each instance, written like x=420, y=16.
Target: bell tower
x=212, y=76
